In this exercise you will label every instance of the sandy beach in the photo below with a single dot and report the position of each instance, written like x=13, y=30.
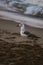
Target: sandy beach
x=17, y=50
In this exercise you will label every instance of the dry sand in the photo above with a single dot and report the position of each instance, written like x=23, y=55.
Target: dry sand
x=17, y=50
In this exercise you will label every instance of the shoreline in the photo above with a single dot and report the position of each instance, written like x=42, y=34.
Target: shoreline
x=36, y=23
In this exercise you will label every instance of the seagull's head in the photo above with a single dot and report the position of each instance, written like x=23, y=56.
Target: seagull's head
x=20, y=25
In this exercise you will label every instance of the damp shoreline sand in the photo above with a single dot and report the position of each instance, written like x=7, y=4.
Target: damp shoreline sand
x=17, y=50
x=11, y=27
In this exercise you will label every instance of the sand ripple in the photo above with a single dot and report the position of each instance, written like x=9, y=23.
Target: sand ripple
x=18, y=52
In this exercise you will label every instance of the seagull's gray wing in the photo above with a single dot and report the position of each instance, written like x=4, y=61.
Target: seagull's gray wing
x=27, y=33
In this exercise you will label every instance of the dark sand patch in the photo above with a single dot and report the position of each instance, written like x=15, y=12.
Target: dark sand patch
x=13, y=54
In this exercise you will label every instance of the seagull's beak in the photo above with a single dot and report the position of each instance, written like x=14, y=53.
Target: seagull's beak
x=17, y=25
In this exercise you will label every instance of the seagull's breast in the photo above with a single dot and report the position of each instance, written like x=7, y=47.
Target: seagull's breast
x=24, y=35
x=22, y=30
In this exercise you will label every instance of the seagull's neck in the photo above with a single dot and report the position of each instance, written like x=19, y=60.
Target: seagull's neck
x=22, y=29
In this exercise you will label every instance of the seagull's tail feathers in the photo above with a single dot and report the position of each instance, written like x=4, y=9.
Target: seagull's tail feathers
x=32, y=36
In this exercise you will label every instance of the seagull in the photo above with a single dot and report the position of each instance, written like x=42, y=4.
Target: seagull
x=22, y=30
x=25, y=33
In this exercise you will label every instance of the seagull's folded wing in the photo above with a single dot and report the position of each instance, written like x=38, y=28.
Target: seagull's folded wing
x=27, y=33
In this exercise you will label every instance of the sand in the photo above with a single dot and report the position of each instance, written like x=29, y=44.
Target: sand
x=17, y=50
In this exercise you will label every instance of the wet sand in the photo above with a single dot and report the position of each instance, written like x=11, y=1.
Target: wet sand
x=17, y=50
